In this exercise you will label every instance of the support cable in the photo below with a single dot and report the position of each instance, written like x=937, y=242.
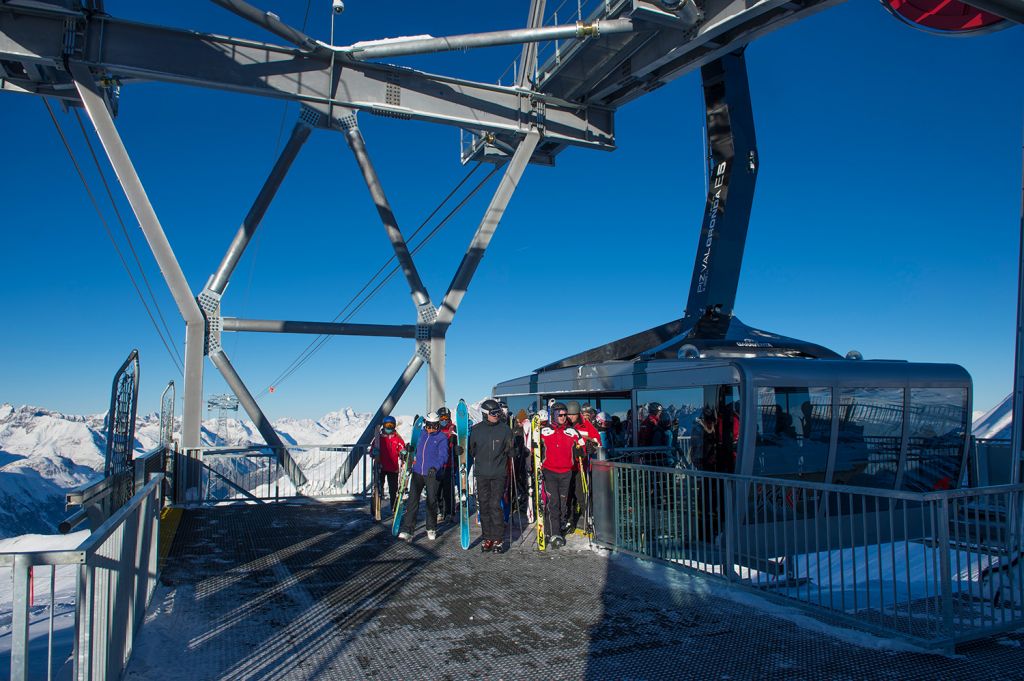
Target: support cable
x=319, y=341
x=110, y=235
x=127, y=237
x=256, y=242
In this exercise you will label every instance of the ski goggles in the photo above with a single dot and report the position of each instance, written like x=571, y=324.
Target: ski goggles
x=431, y=426
x=494, y=412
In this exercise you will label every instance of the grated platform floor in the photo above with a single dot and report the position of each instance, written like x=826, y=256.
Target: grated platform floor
x=319, y=591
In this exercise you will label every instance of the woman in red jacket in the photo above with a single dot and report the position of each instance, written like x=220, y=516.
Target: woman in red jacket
x=389, y=445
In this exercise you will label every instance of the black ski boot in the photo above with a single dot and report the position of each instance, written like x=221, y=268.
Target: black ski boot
x=499, y=547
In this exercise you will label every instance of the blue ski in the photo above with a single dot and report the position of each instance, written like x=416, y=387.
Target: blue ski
x=462, y=427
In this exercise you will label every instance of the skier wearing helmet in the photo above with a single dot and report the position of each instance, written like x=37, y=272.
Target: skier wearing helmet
x=558, y=462
x=490, y=444
x=447, y=491
x=431, y=453
x=387, y=448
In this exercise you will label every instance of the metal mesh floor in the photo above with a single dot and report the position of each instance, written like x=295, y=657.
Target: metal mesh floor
x=318, y=591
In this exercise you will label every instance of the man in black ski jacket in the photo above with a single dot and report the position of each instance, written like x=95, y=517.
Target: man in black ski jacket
x=490, y=445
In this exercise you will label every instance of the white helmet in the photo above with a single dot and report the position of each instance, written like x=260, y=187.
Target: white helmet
x=432, y=419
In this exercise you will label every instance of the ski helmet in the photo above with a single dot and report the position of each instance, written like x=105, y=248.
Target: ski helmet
x=602, y=418
x=389, y=422
x=558, y=407
x=490, y=407
x=432, y=420
x=444, y=413
x=572, y=407
x=653, y=408
x=543, y=414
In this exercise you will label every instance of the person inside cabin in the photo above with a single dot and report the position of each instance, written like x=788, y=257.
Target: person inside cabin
x=557, y=470
x=490, y=443
x=446, y=504
x=428, y=461
x=648, y=427
x=387, y=448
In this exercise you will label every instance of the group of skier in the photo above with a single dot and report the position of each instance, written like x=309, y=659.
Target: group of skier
x=500, y=451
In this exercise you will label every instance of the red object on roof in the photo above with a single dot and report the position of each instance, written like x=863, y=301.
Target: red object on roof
x=944, y=15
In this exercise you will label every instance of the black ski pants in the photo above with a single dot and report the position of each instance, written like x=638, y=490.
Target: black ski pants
x=391, y=478
x=492, y=521
x=447, y=492
x=419, y=482
x=557, y=513
x=577, y=498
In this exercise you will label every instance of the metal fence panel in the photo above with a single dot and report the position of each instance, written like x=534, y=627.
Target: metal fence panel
x=938, y=568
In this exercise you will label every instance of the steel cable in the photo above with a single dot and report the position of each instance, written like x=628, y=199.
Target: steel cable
x=319, y=341
x=110, y=235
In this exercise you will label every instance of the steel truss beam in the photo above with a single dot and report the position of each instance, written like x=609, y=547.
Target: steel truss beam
x=318, y=328
x=123, y=51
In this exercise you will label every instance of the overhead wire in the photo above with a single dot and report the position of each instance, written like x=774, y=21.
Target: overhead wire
x=318, y=342
x=110, y=234
x=256, y=241
x=127, y=237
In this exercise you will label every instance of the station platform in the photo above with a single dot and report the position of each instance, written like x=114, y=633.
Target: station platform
x=320, y=591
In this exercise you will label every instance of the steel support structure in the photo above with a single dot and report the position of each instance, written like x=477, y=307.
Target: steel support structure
x=96, y=108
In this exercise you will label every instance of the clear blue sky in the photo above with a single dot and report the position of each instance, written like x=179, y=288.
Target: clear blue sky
x=886, y=217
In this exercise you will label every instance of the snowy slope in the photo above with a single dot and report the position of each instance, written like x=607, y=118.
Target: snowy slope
x=995, y=423
x=45, y=453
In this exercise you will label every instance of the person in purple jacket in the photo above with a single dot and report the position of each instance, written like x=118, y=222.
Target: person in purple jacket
x=427, y=471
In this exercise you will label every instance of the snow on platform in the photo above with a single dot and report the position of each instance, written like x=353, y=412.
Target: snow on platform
x=318, y=591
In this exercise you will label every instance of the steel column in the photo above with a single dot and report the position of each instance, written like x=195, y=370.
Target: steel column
x=219, y=281
x=325, y=328
x=1017, y=432
x=96, y=108
x=484, y=233
x=358, y=145
x=436, y=373
x=245, y=398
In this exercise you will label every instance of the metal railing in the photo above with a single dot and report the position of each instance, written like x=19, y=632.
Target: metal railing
x=937, y=568
x=115, y=574
x=225, y=474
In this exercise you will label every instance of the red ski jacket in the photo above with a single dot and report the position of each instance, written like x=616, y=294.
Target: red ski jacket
x=558, y=446
x=390, y=448
x=453, y=441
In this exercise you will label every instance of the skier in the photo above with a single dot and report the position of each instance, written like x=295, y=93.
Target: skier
x=431, y=453
x=447, y=492
x=558, y=461
x=490, y=445
x=387, y=448
x=588, y=440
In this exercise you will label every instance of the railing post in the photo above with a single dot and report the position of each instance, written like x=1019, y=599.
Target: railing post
x=728, y=558
x=19, y=621
x=945, y=575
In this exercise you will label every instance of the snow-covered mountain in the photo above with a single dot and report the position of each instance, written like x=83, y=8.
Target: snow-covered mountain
x=995, y=423
x=44, y=453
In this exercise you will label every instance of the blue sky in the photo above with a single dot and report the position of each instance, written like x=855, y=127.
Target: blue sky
x=886, y=217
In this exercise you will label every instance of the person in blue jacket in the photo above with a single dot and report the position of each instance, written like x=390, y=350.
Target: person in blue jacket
x=427, y=471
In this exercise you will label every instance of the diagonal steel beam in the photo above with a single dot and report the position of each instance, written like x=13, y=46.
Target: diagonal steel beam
x=356, y=455
x=219, y=281
x=358, y=145
x=485, y=231
x=96, y=108
x=248, y=402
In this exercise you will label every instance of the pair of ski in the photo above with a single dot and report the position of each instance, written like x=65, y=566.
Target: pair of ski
x=405, y=473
